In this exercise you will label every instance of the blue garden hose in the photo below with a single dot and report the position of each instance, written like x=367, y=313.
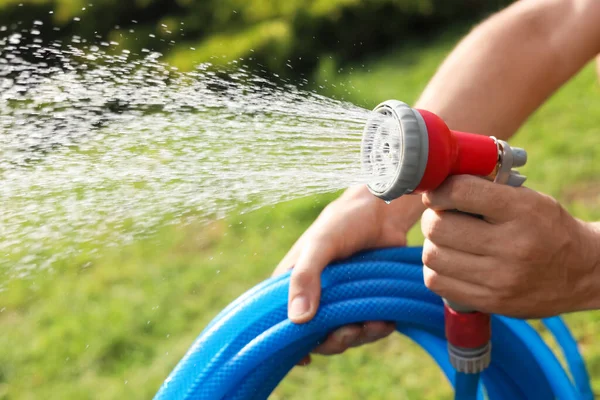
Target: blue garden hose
x=251, y=345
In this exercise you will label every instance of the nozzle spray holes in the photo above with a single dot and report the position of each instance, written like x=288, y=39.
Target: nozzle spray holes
x=381, y=147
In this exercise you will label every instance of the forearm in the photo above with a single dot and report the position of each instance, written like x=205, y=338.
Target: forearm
x=507, y=66
x=502, y=72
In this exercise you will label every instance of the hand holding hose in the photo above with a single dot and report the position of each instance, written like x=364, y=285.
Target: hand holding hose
x=526, y=258
x=354, y=222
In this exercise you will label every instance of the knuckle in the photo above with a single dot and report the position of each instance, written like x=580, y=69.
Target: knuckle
x=431, y=254
x=556, y=210
x=531, y=203
x=304, y=277
x=432, y=225
x=431, y=279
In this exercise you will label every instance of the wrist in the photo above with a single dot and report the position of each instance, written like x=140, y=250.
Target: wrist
x=394, y=220
x=400, y=215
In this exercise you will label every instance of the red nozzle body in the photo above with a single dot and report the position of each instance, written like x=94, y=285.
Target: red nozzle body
x=454, y=153
x=406, y=150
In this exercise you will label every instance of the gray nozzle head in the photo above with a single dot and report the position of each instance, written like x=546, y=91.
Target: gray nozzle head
x=394, y=150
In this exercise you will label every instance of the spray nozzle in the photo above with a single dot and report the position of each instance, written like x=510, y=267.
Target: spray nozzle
x=405, y=150
x=394, y=149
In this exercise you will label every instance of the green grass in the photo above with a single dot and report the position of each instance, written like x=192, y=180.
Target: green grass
x=114, y=329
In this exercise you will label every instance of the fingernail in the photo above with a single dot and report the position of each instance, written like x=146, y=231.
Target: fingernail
x=345, y=336
x=299, y=306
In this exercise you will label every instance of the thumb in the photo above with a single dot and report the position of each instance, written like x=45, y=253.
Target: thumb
x=305, y=281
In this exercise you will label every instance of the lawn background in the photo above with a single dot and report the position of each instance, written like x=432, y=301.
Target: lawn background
x=115, y=329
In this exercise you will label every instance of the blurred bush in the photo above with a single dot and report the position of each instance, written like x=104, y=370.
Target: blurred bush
x=279, y=34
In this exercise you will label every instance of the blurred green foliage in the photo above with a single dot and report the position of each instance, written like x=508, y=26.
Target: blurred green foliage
x=279, y=34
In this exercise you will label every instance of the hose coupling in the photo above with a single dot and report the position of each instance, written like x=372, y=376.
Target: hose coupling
x=469, y=335
x=509, y=158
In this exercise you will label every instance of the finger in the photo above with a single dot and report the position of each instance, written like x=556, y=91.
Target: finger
x=457, y=291
x=460, y=231
x=457, y=265
x=473, y=195
x=373, y=331
x=305, y=281
x=339, y=340
x=305, y=361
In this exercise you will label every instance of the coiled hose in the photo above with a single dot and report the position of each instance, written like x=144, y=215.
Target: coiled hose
x=251, y=345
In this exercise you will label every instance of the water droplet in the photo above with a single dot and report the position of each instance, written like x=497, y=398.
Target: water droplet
x=15, y=38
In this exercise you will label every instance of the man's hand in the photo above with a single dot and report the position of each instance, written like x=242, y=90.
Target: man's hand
x=526, y=258
x=356, y=221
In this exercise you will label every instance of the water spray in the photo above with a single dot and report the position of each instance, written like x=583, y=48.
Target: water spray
x=407, y=150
